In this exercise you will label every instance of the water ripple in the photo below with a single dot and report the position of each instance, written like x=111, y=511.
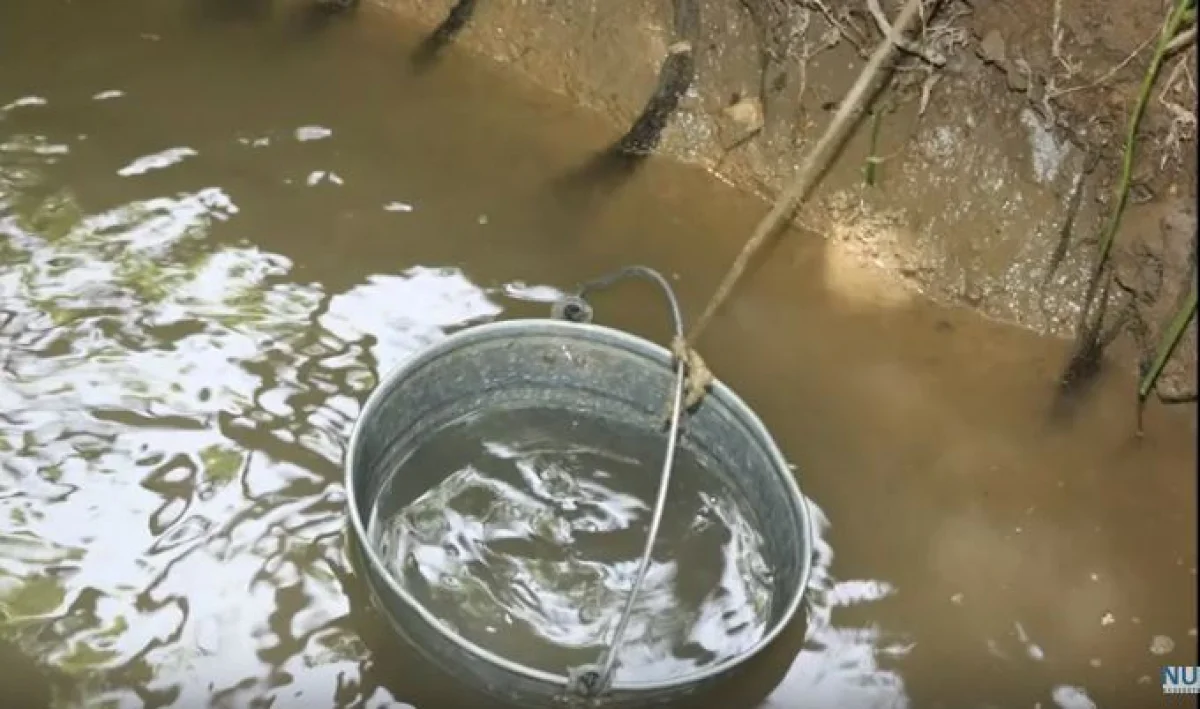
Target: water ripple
x=174, y=415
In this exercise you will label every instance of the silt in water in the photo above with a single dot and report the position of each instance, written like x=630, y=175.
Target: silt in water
x=530, y=543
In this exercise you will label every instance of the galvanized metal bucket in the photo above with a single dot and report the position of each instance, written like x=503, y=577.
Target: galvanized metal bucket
x=565, y=365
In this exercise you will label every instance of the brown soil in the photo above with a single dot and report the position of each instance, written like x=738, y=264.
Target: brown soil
x=1089, y=90
x=998, y=168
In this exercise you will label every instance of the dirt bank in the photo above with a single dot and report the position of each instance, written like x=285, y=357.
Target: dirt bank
x=997, y=169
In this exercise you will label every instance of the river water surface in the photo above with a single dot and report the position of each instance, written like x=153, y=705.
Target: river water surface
x=219, y=222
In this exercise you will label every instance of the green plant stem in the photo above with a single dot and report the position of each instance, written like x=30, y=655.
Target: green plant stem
x=1174, y=21
x=1167, y=346
x=873, y=159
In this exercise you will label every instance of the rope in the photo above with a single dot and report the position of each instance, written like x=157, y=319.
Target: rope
x=690, y=371
x=592, y=680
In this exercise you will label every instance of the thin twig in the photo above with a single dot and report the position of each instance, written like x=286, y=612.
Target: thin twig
x=1107, y=75
x=834, y=22
x=1183, y=39
x=1056, y=36
x=1183, y=120
x=785, y=206
x=1181, y=67
x=930, y=56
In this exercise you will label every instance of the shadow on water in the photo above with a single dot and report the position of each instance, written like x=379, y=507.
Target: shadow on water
x=207, y=259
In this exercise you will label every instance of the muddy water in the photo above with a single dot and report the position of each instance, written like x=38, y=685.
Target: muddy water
x=221, y=221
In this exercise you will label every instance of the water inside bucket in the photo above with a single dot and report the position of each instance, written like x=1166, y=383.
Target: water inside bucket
x=530, y=544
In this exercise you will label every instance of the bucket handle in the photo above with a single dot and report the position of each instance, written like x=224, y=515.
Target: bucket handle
x=592, y=680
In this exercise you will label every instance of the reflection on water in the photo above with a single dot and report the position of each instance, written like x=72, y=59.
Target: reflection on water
x=531, y=543
x=188, y=328
x=843, y=666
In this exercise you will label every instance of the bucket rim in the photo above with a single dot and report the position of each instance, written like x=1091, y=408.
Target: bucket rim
x=634, y=344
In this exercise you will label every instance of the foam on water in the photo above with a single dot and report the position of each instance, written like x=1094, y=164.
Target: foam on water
x=530, y=543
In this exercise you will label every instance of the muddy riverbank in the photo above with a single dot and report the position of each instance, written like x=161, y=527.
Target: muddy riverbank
x=998, y=168
x=218, y=228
